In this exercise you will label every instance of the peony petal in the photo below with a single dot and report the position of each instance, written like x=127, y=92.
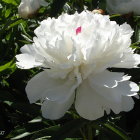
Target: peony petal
x=26, y=61
x=36, y=86
x=127, y=103
x=108, y=79
x=113, y=85
x=128, y=88
x=30, y=49
x=130, y=61
x=113, y=96
x=56, y=109
x=44, y=87
x=57, y=94
x=88, y=104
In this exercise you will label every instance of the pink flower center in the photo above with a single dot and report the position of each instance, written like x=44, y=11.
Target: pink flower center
x=78, y=30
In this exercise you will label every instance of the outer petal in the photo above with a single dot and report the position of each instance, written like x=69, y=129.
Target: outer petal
x=57, y=94
x=108, y=79
x=130, y=61
x=29, y=49
x=127, y=103
x=56, y=109
x=37, y=86
x=128, y=88
x=44, y=87
x=88, y=103
x=114, y=95
x=27, y=61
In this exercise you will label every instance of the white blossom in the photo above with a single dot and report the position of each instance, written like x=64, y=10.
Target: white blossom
x=123, y=6
x=28, y=8
x=75, y=52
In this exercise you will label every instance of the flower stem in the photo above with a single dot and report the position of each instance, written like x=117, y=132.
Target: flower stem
x=83, y=134
x=90, y=132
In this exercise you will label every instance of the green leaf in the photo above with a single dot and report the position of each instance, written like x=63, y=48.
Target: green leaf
x=7, y=13
x=68, y=129
x=116, y=130
x=135, y=45
x=10, y=23
x=21, y=136
x=137, y=33
x=115, y=15
x=16, y=22
x=33, y=130
x=45, y=132
x=8, y=68
x=13, y=2
x=17, y=132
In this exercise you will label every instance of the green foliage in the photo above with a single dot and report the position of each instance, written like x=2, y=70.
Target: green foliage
x=21, y=120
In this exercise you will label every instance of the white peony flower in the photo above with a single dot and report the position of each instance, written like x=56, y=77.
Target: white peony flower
x=123, y=6
x=75, y=52
x=28, y=8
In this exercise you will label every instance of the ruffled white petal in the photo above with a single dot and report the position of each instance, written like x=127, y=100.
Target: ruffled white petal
x=107, y=89
x=129, y=61
x=30, y=49
x=26, y=61
x=128, y=88
x=113, y=85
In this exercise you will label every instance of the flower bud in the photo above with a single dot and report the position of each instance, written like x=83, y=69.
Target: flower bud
x=123, y=6
x=98, y=11
x=27, y=8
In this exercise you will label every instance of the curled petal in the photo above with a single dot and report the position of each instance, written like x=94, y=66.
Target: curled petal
x=108, y=79
x=26, y=61
x=129, y=61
